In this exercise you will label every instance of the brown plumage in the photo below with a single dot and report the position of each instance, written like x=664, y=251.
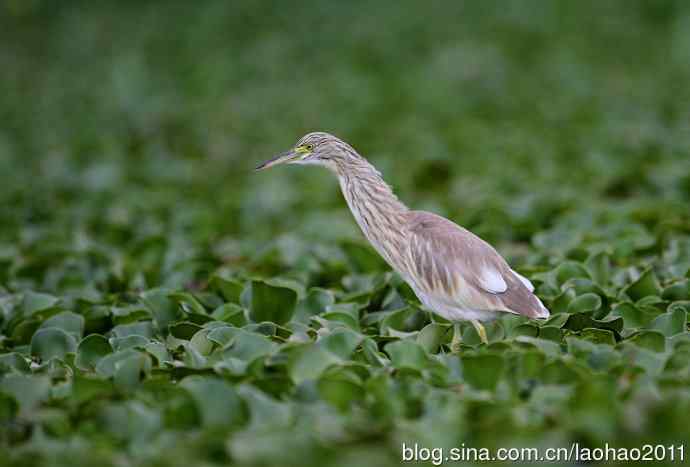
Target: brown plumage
x=453, y=272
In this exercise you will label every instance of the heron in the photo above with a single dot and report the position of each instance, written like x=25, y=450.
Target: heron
x=453, y=272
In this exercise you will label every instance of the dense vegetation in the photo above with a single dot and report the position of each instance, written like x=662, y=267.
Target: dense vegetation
x=161, y=304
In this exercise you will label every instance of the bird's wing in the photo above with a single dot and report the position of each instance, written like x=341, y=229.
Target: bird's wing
x=456, y=266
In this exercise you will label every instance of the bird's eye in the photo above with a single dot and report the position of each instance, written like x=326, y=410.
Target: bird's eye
x=308, y=147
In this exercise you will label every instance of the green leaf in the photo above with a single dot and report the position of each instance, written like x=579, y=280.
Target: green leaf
x=69, y=322
x=568, y=270
x=340, y=388
x=34, y=302
x=635, y=316
x=188, y=303
x=28, y=390
x=598, y=336
x=432, y=336
x=670, y=323
x=677, y=291
x=483, y=371
x=407, y=319
x=50, y=343
x=91, y=350
x=216, y=401
x=652, y=340
x=407, y=354
x=271, y=303
x=341, y=342
x=163, y=309
x=184, y=330
x=316, y=302
x=140, y=328
x=129, y=370
x=308, y=361
x=230, y=313
x=13, y=362
x=645, y=285
x=586, y=303
x=230, y=289
x=246, y=346
x=599, y=267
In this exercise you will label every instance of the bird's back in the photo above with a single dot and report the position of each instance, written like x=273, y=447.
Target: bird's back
x=451, y=266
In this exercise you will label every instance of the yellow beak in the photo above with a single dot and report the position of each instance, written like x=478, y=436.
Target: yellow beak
x=281, y=158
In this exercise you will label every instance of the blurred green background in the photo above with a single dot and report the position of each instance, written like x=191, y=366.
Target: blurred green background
x=129, y=131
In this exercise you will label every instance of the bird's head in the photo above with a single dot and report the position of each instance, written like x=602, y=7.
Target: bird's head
x=316, y=148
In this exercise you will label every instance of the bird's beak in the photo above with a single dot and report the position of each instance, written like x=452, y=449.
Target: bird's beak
x=281, y=158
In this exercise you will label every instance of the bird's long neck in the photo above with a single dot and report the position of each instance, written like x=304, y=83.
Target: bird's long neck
x=379, y=213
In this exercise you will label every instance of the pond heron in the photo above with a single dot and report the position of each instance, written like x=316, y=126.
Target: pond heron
x=453, y=272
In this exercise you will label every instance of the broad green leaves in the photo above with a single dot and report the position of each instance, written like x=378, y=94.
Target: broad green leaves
x=161, y=304
x=271, y=303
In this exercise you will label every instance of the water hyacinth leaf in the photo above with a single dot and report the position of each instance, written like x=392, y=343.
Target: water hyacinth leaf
x=159, y=352
x=246, y=346
x=651, y=340
x=407, y=354
x=525, y=329
x=340, y=388
x=129, y=370
x=28, y=390
x=135, y=340
x=13, y=362
x=107, y=365
x=316, y=302
x=551, y=333
x=140, y=328
x=341, y=342
x=598, y=336
x=188, y=303
x=568, y=270
x=34, y=302
x=52, y=343
x=230, y=289
x=645, y=285
x=432, y=336
x=130, y=421
x=635, y=316
x=193, y=359
x=586, y=303
x=670, y=323
x=130, y=314
x=201, y=342
x=265, y=410
x=163, y=309
x=69, y=322
x=91, y=350
x=309, y=361
x=184, y=330
x=483, y=371
x=561, y=302
x=217, y=402
x=271, y=303
x=230, y=313
x=599, y=267
x=677, y=291
x=407, y=319
x=362, y=257
x=8, y=408
x=334, y=319
x=548, y=347
x=580, y=321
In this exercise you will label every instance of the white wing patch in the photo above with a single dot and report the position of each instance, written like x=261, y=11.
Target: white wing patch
x=526, y=282
x=491, y=281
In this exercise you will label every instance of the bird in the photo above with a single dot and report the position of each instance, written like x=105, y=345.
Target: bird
x=453, y=272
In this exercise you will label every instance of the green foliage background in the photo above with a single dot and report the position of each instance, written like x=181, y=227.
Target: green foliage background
x=161, y=304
